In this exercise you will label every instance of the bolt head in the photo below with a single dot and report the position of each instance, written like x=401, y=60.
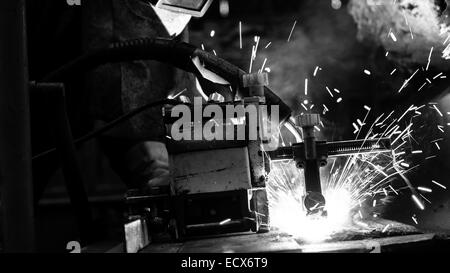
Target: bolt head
x=255, y=79
x=307, y=120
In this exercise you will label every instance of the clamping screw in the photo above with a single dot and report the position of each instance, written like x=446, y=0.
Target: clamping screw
x=307, y=120
x=255, y=82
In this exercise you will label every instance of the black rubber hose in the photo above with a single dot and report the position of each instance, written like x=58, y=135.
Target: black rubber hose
x=178, y=54
x=113, y=124
x=164, y=50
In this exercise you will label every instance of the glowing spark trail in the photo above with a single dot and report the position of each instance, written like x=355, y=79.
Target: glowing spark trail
x=429, y=58
x=359, y=186
x=438, y=184
x=423, y=189
x=315, y=71
x=405, y=84
x=418, y=202
x=306, y=87
x=329, y=92
x=292, y=30
x=240, y=34
x=393, y=36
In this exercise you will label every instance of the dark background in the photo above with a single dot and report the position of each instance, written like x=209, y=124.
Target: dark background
x=323, y=37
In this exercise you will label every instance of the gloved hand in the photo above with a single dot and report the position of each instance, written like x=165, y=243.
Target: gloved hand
x=148, y=166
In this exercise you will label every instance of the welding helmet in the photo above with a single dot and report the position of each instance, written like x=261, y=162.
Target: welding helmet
x=196, y=8
x=176, y=14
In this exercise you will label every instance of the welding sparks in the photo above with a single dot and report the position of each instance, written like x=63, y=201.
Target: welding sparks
x=429, y=58
x=225, y=222
x=325, y=109
x=360, y=184
x=263, y=65
x=292, y=30
x=392, y=188
x=306, y=87
x=438, y=75
x=392, y=35
x=437, y=110
x=424, y=189
x=286, y=209
x=439, y=185
x=418, y=202
x=172, y=97
x=405, y=84
x=240, y=34
x=329, y=92
x=254, y=51
x=407, y=23
x=422, y=86
x=316, y=70
x=437, y=146
x=351, y=182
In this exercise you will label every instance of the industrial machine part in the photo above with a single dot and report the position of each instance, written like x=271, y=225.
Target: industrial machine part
x=217, y=186
x=311, y=154
x=219, y=206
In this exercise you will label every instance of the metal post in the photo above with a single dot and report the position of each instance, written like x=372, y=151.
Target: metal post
x=16, y=193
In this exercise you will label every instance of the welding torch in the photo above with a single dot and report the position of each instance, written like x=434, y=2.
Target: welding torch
x=310, y=155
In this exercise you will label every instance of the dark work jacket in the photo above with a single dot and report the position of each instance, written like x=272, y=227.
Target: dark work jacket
x=59, y=32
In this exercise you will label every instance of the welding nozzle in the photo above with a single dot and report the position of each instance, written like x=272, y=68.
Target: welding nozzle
x=314, y=203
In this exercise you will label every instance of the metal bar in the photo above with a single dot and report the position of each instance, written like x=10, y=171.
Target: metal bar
x=16, y=188
x=282, y=154
x=345, y=148
x=71, y=169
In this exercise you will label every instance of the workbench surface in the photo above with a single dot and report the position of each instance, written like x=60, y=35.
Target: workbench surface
x=373, y=237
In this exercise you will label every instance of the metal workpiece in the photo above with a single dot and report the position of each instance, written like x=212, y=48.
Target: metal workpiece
x=260, y=209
